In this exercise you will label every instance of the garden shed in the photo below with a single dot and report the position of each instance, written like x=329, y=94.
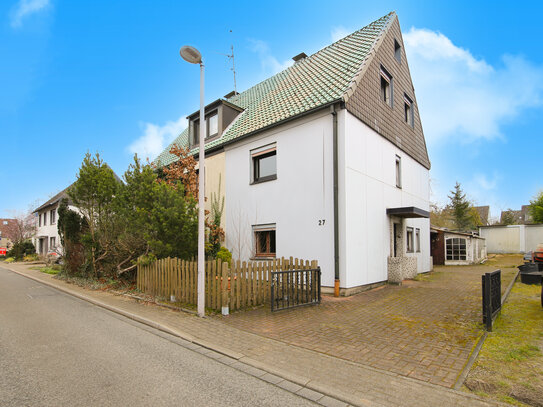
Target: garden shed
x=456, y=248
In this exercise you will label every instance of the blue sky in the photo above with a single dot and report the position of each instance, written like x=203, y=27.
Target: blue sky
x=106, y=77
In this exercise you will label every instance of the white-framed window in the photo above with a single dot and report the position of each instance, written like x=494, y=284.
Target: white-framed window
x=409, y=235
x=398, y=170
x=5, y=222
x=456, y=248
x=52, y=243
x=264, y=240
x=386, y=86
x=417, y=240
x=52, y=217
x=264, y=164
x=397, y=51
x=213, y=125
x=408, y=110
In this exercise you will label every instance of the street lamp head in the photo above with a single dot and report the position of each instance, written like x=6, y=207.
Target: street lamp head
x=190, y=54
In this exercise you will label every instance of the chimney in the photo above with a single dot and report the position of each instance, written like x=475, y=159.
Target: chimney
x=299, y=57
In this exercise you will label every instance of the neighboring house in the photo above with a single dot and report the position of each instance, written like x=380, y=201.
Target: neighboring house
x=325, y=160
x=456, y=248
x=47, y=238
x=521, y=217
x=512, y=238
x=483, y=212
x=7, y=233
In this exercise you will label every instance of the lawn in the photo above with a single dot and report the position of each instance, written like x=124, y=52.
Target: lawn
x=510, y=365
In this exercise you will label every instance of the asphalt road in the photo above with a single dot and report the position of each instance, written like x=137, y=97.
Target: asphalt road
x=57, y=350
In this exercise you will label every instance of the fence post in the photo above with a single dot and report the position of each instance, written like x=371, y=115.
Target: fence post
x=487, y=301
x=224, y=288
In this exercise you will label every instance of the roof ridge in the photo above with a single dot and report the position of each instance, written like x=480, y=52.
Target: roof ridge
x=358, y=76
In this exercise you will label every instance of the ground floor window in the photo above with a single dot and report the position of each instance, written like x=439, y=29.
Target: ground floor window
x=264, y=237
x=456, y=248
x=409, y=239
x=417, y=240
x=51, y=243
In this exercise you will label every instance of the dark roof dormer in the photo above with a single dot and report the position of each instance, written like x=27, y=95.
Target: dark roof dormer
x=218, y=114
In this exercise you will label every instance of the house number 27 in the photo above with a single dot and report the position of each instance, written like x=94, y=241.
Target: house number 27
x=321, y=222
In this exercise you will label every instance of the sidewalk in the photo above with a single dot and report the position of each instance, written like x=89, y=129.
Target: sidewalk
x=344, y=380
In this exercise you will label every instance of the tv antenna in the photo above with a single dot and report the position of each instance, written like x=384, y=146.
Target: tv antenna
x=233, y=69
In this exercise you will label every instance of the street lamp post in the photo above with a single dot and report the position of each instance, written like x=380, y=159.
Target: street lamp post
x=193, y=56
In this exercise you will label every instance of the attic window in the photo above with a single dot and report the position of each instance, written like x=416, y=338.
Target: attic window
x=386, y=87
x=408, y=110
x=397, y=51
x=213, y=125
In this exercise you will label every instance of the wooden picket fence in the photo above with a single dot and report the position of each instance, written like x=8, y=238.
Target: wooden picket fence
x=241, y=285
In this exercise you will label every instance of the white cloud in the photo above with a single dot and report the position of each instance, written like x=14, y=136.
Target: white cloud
x=156, y=138
x=25, y=8
x=339, y=32
x=270, y=64
x=465, y=97
x=481, y=181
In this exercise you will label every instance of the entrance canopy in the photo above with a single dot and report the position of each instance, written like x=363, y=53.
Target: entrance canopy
x=408, y=212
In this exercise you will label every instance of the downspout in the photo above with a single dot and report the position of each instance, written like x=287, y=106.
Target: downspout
x=336, y=205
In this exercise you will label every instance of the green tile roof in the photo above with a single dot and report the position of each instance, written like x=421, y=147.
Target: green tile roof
x=317, y=80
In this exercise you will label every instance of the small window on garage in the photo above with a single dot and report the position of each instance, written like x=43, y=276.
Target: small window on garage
x=264, y=164
x=456, y=248
x=264, y=239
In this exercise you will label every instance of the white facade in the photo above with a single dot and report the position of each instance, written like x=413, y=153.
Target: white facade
x=299, y=203
x=47, y=237
x=300, y=197
x=369, y=181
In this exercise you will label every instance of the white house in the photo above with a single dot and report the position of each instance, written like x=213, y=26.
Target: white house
x=47, y=238
x=325, y=160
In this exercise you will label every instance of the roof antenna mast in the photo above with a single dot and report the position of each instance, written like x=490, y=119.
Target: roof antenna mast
x=233, y=69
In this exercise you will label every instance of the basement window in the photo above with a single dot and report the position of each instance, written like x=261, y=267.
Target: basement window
x=386, y=87
x=264, y=164
x=408, y=110
x=264, y=237
x=456, y=248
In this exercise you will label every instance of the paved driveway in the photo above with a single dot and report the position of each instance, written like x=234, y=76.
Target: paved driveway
x=424, y=329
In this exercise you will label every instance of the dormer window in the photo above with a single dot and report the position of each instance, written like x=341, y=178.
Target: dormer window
x=212, y=125
x=218, y=116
